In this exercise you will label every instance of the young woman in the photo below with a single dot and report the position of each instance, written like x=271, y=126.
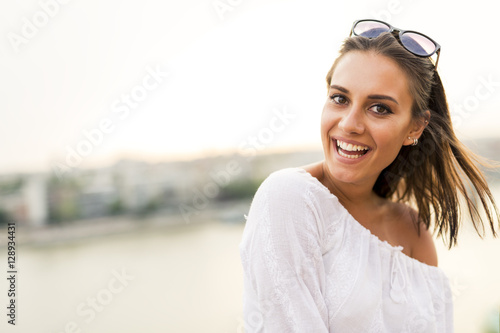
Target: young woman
x=334, y=246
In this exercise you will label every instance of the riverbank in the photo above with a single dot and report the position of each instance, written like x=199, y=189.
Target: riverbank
x=73, y=231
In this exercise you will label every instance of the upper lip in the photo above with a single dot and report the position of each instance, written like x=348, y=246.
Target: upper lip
x=351, y=141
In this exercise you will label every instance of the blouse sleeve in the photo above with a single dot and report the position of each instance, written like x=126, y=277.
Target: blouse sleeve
x=281, y=252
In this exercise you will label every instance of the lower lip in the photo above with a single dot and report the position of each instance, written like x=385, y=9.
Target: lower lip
x=347, y=160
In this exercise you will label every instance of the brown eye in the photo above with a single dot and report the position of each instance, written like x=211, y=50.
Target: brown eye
x=338, y=99
x=380, y=109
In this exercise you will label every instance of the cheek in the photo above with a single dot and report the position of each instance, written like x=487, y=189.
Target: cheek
x=388, y=141
x=328, y=120
x=389, y=144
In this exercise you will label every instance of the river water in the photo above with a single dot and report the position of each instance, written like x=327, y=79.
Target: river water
x=189, y=279
x=185, y=279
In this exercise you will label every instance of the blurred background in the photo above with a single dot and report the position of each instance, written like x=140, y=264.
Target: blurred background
x=135, y=133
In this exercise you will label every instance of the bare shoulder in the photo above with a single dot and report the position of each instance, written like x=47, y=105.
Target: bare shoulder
x=315, y=169
x=422, y=246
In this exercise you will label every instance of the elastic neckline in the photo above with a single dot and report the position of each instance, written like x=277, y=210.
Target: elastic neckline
x=382, y=243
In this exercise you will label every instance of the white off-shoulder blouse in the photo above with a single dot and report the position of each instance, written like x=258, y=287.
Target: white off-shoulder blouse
x=310, y=267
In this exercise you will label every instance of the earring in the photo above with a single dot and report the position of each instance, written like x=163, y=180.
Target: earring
x=415, y=141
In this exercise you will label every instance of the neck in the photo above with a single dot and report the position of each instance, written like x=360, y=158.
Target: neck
x=349, y=194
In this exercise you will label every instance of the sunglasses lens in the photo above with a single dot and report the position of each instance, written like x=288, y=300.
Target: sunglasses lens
x=370, y=29
x=418, y=44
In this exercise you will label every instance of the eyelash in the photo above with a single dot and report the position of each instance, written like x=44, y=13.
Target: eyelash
x=387, y=108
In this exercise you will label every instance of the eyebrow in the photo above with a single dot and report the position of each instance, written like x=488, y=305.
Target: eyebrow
x=385, y=97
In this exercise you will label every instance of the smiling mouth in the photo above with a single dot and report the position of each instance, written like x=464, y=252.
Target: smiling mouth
x=348, y=150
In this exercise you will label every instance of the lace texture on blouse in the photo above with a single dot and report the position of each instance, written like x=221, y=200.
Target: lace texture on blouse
x=310, y=267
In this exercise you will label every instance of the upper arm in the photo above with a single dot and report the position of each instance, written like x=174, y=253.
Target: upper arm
x=282, y=260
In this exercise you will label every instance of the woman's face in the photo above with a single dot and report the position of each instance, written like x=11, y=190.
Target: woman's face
x=366, y=118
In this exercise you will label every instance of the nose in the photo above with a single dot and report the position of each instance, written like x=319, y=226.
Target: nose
x=352, y=122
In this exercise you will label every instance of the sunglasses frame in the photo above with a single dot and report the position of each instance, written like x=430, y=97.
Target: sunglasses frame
x=397, y=33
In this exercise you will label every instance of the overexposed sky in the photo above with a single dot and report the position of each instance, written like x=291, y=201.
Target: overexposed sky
x=226, y=73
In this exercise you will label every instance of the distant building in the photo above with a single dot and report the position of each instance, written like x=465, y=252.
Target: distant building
x=24, y=198
x=137, y=187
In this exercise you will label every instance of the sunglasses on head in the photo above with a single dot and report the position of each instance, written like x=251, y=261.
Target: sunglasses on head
x=415, y=42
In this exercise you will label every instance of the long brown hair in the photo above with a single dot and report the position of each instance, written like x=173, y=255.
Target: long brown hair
x=433, y=173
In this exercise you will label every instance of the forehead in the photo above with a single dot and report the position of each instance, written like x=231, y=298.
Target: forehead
x=371, y=73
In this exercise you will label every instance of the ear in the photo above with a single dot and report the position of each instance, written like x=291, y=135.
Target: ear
x=417, y=127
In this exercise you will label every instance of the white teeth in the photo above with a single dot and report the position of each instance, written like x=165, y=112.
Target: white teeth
x=350, y=146
x=349, y=156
